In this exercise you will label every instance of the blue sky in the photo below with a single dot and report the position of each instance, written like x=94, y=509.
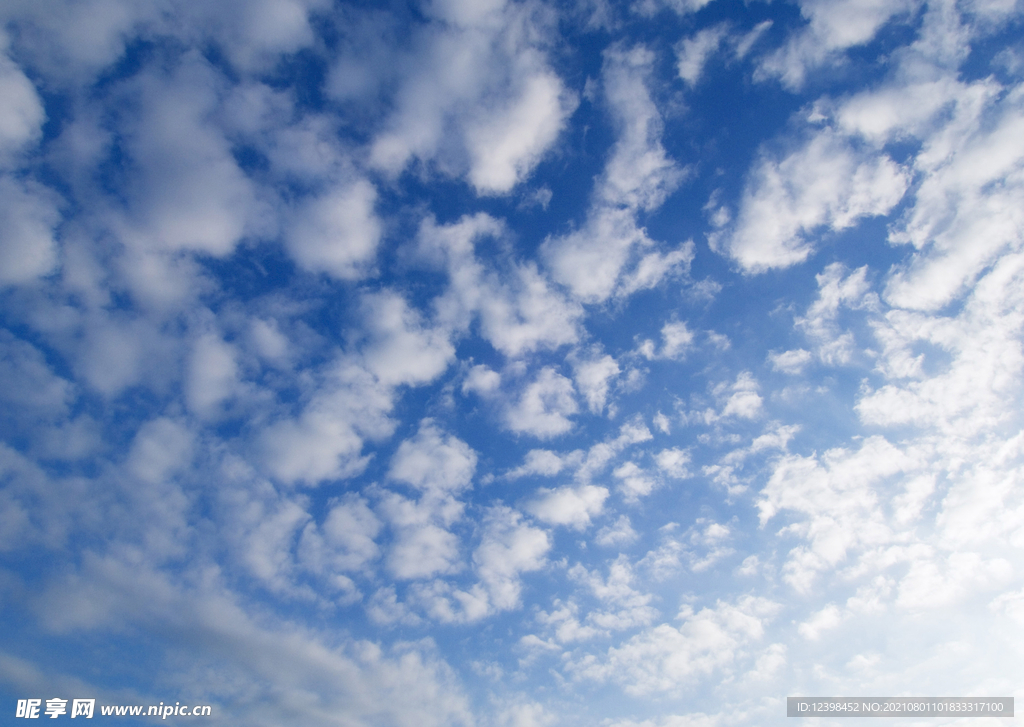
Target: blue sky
x=510, y=363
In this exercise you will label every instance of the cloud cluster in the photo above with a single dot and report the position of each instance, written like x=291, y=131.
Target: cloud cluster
x=482, y=82
x=667, y=659
x=338, y=367
x=610, y=254
x=823, y=185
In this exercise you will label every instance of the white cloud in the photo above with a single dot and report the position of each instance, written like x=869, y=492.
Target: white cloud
x=901, y=110
x=838, y=498
x=594, y=260
x=620, y=605
x=28, y=215
x=361, y=682
x=526, y=313
x=749, y=566
x=256, y=34
x=673, y=462
x=711, y=538
x=639, y=174
x=823, y=620
x=270, y=343
x=981, y=508
x=158, y=279
x=480, y=99
x=564, y=624
x=743, y=43
x=508, y=547
x=384, y=608
x=967, y=210
x=969, y=392
x=664, y=659
x=212, y=374
x=1011, y=603
x=570, y=506
x=619, y=533
x=682, y=7
x=574, y=505
x=432, y=461
x=625, y=607
x=187, y=191
x=994, y=10
x=402, y=348
x=325, y=440
x=447, y=604
x=590, y=260
x=438, y=466
x=519, y=310
x=542, y=462
x=505, y=145
x=161, y=448
x=481, y=379
x=525, y=714
x=22, y=115
x=337, y=231
x=422, y=551
x=423, y=546
x=119, y=350
x=833, y=26
x=28, y=386
x=538, y=198
x=634, y=482
x=599, y=455
x=75, y=439
x=907, y=507
x=826, y=184
x=302, y=150
x=72, y=41
x=727, y=471
x=264, y=528
x=790, y=362
x=837, y=289
x=544, y=407
x=935, y=582
x=653, y=267
x=677, y=339
x=744, y=401
x=961, y=217
x=24, y=482
x=593, y=377
x=345, y=541
x=693, y=52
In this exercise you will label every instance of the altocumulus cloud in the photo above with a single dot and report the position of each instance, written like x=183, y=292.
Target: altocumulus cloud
x=510, y=363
